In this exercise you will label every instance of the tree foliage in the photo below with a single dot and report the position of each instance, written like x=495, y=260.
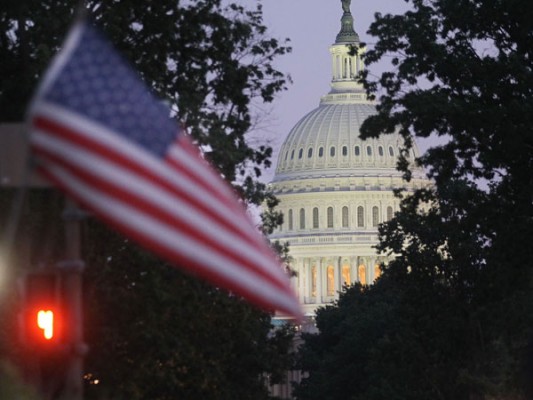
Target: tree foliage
x=153, y=331
x=170, y=335
x=459, y=313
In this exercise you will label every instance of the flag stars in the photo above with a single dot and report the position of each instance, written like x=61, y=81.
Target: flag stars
x=97, y=82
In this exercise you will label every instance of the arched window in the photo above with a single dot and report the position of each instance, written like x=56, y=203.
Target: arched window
x=313, y=280
x=375, y=216
x=302, y=218
x=360, y=216
x=300, y=153
x=286, y=155
x=292, y=154
x=330, y=283
x=391, y=151
x=345, y=217
x=357, y=151
x=321, y=152
x=380, y=151
x=332, y=151
x=369, y=150
x=361, y=274
x=291, y=227
x=330, y=217
x=346, y=278
x=310, y=152
x=389, y=213
x=315, y=218
x=344, y=151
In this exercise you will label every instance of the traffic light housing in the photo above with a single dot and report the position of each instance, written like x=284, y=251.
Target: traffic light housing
x=42, y=311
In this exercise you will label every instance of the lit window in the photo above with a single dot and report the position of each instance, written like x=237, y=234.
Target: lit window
x=361, y=273
x=346, y=279
x=377, y=271
x=330, y=284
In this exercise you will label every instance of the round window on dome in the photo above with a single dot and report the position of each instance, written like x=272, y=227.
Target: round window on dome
x=357, y=151
x=332, y=151
x=300, y=153
x=310, y=152
x=344, y=151
x=321, y=152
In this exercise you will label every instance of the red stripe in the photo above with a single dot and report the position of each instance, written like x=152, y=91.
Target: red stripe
x=115, y=157
x=159, y=214
x=188, y=263
x=228, y=196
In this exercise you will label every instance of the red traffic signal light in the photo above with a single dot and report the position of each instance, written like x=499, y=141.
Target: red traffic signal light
x=42, y=313
x=45, y=321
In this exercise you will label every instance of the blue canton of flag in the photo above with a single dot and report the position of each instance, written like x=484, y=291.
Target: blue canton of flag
x=103, y=138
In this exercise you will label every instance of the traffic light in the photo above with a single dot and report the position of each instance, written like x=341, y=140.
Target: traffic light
x=42, y=311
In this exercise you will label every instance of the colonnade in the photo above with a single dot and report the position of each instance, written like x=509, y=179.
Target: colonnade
x=320, y=279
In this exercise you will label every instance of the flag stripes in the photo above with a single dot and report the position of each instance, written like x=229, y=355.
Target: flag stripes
x=148, y=207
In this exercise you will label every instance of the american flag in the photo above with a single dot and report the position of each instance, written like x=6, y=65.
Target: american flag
x=100, y=135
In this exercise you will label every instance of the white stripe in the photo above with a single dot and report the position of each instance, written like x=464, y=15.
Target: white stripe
x=207, y=173
x=101, y=134
x=179, y=243
x=123, y=178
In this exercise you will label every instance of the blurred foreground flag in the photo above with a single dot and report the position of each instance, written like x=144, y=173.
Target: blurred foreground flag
x=99, y=135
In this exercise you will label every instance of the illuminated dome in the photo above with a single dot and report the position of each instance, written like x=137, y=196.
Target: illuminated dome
x=334, y=188
x=326, y=142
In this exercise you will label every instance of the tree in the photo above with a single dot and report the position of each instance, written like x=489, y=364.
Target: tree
x=169, y=334
x=462, y=72
x=172, y=335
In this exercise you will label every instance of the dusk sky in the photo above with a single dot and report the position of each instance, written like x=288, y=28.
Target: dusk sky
x=312, y=26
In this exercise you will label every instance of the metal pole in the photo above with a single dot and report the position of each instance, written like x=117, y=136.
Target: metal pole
x=72, y=268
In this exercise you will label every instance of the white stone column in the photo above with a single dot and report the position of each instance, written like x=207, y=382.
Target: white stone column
x=302, y=274
x=320, y=277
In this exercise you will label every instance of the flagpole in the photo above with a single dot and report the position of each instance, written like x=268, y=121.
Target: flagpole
x=72, y=269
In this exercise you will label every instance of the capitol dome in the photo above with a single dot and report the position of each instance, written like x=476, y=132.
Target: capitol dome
x=326, y=142
x=334, y=188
